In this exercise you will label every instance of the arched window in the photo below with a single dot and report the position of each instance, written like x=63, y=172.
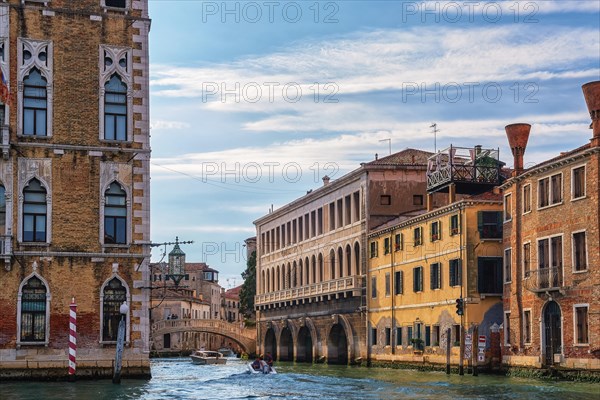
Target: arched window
x=114, y=295
x=34, y=212
x=115, y=215
x=33, y=311
x=115, y=109
x=35, y=104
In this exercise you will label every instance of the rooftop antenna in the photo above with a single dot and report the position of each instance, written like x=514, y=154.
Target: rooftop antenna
x=435, y=131
x=389, y=143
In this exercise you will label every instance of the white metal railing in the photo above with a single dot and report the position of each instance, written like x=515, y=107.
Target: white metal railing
x=321, y=288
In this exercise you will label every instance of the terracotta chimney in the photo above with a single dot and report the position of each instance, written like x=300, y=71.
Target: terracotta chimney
x=325, y=180
x=518, y=134
x=591, y=92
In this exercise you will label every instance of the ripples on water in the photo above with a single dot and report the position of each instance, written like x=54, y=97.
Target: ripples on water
x=179, y=379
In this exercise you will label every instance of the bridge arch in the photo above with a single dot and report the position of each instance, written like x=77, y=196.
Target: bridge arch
x=244, y=337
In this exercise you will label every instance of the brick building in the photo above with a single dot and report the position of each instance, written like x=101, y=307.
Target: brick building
x=311, y=264
x=552, y=254
x=74, y=185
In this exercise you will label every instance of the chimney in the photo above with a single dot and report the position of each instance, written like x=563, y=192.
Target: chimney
x=591, y=92
x=518, y=134
x=325, y=180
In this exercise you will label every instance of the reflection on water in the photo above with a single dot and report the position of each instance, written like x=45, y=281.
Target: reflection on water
x=179, y=379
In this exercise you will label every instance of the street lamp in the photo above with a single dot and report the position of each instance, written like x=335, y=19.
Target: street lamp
x=176, y=264
x=124, y=309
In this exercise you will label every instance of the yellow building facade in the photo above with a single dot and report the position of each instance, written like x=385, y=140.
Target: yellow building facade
x=419, y=265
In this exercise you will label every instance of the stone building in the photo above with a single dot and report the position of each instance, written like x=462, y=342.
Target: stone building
x=552, y=282
x=311, y=264
x=426, y=264
x=74, y=185
x=231, y=305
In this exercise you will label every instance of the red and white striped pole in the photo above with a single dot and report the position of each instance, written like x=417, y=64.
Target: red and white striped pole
x=72, y=338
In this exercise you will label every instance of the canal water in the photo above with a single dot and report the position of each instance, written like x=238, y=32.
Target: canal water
x=180, y=379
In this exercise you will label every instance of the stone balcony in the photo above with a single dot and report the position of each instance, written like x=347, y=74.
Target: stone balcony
x=6, y=250
x=5, y=141
x=314, y=292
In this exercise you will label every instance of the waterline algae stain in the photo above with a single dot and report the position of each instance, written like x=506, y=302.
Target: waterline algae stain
x=179, y=379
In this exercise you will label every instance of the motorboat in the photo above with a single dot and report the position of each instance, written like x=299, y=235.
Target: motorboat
x=265, y=369
x=227, y=352
x=205, y=357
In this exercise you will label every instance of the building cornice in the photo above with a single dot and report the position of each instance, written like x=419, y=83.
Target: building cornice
x=432, y=214
x=570, y=159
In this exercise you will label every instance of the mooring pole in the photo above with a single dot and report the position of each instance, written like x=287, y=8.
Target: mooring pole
x=72, y=339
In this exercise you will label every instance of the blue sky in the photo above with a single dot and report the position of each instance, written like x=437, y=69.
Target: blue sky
x=252, y=103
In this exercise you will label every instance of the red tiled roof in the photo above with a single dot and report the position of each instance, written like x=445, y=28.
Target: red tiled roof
x=404, y=157
x=489, y=196
x=198, y=267
x=233, y=292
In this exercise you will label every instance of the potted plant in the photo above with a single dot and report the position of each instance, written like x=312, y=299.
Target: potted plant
x=417, y=344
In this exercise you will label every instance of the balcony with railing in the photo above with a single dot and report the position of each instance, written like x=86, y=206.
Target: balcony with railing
x=472, y=170
x=340, y=285
x=544, y=280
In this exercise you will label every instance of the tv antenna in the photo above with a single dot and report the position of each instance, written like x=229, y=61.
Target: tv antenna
x=435, y=131
x=389, y=143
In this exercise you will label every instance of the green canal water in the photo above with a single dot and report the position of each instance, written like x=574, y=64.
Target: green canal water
x=179, y=379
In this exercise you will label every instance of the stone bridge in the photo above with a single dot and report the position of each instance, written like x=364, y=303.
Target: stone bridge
x=245, y=337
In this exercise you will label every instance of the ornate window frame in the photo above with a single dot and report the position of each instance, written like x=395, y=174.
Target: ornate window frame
x=120, y=173
x=30, y=168
x=115, y=274
x=116, y=55
x=19, y=303
x=46, y=68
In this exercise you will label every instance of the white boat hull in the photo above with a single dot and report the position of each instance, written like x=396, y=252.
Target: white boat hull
x=265, y=370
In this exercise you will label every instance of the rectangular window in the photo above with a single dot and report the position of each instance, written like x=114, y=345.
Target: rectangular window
x=455, y=273
x=399, y=336
x=373, y=336
x=526, y=260
x=398, y=282
x=347, y=210
x=418, y=279
x=435, y=230
x=340, y=214
x=417, y=200
x=435, y=335
x=398, y=242
x=320, y=221
x=578, y=182
x=388, y=336
x=436, y=276
x=427, y=336
x=579, y=252
x=489, y=224
x=550, y=190
x=332, y=216
x=550, y=262
x=456, y=332
x=373, y=249
x=581, y=324
x=489, y=275
x=527, y=326
x=386, y=245
x=373, y=287
x=388, y=284
x=508, y=207
x=313, y=223
x=418, y=236
x=507, y=332
x=35, y=104
x=385, y=200
x=409, y=334
x=454, y=225
x=356, y=206
x=507, y=265
x=115, y=3
x=526, y=198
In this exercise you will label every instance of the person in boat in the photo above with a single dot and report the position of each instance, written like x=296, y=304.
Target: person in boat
x=257, y=364
x=269, y=360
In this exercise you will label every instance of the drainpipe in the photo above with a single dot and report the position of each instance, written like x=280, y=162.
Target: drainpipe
x=367, y=275
x=393, y=292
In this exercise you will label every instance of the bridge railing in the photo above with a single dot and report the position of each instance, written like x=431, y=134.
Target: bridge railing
x=321, y=288
x=200, y=323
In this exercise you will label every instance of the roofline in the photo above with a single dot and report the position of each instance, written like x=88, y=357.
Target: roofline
x=544, y=167
x=438, y=211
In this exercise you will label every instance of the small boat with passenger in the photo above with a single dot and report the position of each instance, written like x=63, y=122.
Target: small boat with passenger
x=205, y=357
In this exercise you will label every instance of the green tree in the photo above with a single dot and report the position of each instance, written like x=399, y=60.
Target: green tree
x=248, y=290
